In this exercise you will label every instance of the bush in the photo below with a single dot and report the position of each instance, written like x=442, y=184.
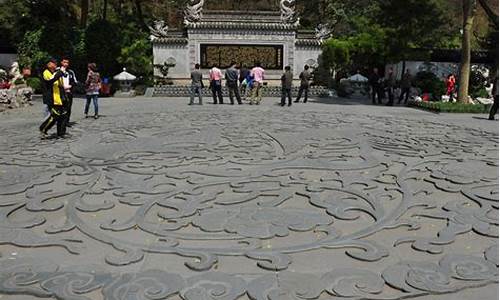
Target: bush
x=428, y=82
x=449, y=107
x=30, y=53
x=477, y=84
x=35, y=83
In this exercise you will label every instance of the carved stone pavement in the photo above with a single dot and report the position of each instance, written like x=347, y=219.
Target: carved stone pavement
x=159, y=200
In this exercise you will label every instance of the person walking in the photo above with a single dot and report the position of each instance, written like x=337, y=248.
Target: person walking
x=232, y=76
x=305, y=78
x=405, y=87
x=249, y=82
x=494, y=92
x=244, y=72
x=286, y=86
x=55, y=98
x=92, y=87
x=70, y=81
x=215, y=76
x=258, y=74
x=391, y=85
x=196, y=85
x=374, y=82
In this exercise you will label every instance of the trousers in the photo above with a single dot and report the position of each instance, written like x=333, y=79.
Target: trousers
x=57, y=116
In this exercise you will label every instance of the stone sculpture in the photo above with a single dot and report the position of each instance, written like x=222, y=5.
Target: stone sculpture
x=287, y=8
x=159, y=30
x=193, y=11
x=323, y=32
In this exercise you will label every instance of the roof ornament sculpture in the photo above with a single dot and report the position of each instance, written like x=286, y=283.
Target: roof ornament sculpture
x=323, y=32
x=159, y=30
x=193, y=12
x=288, y=14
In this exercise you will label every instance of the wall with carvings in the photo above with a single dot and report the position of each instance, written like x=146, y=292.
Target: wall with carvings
x=305, y=55
x=162, y=52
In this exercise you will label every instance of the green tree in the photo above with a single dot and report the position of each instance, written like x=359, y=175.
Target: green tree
x=103, y=46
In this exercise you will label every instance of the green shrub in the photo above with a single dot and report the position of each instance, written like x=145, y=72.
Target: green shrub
x=449, y=107
x=428, y=82
x=477, y=84
x=35, y=83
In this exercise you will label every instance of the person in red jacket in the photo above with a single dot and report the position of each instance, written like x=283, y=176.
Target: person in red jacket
x=450, y=86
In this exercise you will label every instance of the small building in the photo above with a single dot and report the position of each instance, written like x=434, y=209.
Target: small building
x=212, y=38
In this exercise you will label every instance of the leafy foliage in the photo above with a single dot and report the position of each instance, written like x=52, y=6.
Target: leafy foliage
x=429, y=83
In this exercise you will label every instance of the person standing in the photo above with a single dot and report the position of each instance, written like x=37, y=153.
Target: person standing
x=232, y=75
x=286, y=86
x=215, y=76
x=391, y=85
x=92, y=87
x=305, y=78
x=244, y=72
x=258, y=81
x=374, y=82
x=494, y=92
x=54, y=97
x=196, y=85
x=405, y=86
x=70, y=81
x=450, y=86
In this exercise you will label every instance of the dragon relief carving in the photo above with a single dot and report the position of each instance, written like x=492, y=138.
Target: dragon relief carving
x=193, y=12
x=288, y=14
x=159, y=30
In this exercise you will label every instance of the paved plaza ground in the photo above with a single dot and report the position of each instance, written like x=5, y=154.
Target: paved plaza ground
x=333, y=199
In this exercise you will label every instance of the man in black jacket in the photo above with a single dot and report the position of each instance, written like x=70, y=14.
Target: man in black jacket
x=70, y=81
x=375, y=83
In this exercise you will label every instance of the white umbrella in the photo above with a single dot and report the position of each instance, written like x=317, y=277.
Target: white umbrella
x=358, y=78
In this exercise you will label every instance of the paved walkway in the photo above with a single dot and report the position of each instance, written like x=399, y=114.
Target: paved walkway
x=329, y=199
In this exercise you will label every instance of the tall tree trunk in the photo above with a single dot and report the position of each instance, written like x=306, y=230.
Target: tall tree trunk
x=140, y=15
x=105, y=10
x=84, y=5
x=469, y=11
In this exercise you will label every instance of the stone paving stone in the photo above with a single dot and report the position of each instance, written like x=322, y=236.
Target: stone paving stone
x=333, y=199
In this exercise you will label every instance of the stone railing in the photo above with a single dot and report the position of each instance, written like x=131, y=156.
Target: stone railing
x=268, y=91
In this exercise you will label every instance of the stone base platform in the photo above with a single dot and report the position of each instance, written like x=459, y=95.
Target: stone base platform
x=268, y=91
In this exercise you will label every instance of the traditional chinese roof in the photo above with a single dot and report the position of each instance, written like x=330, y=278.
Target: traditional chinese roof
x=307, y=38
x=173, y=37
x=267, y=20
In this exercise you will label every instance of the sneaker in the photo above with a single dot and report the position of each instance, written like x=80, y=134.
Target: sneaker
x=96, y=117
x=86, y=116
x=43, y=135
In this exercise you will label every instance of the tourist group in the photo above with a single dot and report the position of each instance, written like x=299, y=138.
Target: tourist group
x=58, y=83
x=242, y=81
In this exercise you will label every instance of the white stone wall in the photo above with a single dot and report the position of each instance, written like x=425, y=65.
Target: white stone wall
x=305, y=55
x=162, y=52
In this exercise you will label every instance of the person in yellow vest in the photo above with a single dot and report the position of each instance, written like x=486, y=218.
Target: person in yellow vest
x=55, y=98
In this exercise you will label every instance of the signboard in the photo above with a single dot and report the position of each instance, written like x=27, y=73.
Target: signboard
x=221, y=55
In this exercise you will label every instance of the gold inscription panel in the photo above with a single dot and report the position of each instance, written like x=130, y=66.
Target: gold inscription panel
x=221, y=55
